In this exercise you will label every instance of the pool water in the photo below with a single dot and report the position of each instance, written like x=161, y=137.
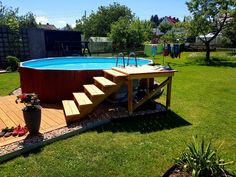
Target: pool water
x=80, y=63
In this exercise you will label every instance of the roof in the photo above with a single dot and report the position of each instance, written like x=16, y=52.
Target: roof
x=48, y=27
x=209, y=35
x=169, y=20
x=99, y=39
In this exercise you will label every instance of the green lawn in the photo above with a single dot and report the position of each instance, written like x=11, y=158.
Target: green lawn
x=8, y=83
x=203, y=104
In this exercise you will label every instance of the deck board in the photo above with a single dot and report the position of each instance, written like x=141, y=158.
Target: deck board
x=114, y=73
x=93, y=90
x=104, y=81
x=11, y=115
x=82, y=99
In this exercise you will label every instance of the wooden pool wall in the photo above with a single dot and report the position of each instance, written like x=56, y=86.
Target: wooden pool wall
x=53, y=86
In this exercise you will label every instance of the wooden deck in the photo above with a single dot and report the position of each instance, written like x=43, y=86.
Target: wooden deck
x=53, y=117
x=11, y=115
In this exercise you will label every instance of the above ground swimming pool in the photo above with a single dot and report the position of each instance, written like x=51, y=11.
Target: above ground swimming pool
x=80, y=63
x=55, y=79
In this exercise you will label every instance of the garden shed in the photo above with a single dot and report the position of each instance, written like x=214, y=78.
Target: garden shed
x=100, y=44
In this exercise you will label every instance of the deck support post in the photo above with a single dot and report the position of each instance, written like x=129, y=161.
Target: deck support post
x=130, y=96
x=168, y=95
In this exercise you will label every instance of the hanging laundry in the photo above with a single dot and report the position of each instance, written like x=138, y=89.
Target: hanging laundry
x=172, y=51
x=166, y=50
x=154, y=50
x=176, y=50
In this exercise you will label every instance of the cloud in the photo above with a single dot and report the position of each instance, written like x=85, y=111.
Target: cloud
x=41, y=19
x=73, y=25
x=61, y=22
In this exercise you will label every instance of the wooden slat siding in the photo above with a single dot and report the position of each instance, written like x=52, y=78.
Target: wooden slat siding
x=63, y=83
x=93, y=90
x=70, y=108
x=52, y=117
x=82, y=99
x=104, y=82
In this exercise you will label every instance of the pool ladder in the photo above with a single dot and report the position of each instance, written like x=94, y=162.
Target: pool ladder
x=117, y=59
x=132, y=54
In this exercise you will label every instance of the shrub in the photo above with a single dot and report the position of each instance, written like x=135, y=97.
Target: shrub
x=202, y=160
x=12, y=63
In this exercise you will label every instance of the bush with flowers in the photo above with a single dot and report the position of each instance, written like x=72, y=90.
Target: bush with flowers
x=30, y=100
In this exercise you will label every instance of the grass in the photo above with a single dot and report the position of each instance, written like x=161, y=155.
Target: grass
x=9, y=82
x=203, y=104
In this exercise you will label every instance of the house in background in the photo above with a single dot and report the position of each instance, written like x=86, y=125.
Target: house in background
x=47, y=26
x=216, y=42
x=169, y=20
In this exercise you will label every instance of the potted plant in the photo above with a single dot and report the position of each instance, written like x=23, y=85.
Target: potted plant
x=31, y=111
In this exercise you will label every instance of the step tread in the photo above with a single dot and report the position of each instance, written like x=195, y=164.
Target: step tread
x=93, y=90
x=70, y=108
x=114, y=73
x=82, y=99
x=104, y=81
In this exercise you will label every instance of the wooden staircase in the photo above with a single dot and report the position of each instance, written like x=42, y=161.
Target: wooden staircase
x=94, y=94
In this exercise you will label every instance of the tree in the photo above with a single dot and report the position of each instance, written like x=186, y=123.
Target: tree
x=229, y=31
x=67, y=28
x=127, y=34
x=177, y=33
x=155, y=20
x=99, y=23
x=209, y=16
x=164, y=27
x=27, y=21
x=9, y=17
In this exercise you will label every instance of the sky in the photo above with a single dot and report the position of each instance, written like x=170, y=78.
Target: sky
x=61, y=12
